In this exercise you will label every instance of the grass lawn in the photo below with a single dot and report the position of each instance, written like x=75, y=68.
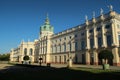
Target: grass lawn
x=18, y=72
x=97, y=71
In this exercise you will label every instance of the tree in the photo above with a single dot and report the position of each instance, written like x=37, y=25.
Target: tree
x=26, y=58
x=4, y=57
x=105, y=55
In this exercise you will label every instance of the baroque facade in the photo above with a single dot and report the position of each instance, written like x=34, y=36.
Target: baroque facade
x=81, y=43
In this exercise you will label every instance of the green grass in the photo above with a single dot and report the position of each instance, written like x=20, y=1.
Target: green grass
x=95, y=70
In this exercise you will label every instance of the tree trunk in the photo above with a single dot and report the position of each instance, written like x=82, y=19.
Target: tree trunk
x=106, y=61
x=103, y=61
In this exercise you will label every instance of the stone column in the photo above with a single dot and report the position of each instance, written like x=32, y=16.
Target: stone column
x=87, y=55
x=95, y=39
x=113, y=32
x=48, y=56
x=87, y=39
x=95, y=54
x=114, y=35
x=116, y=58
x=103, y=37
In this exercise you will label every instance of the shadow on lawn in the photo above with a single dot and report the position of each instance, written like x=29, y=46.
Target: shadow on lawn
x=29, y=72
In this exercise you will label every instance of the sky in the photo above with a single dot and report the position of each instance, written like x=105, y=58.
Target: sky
x=21, y=19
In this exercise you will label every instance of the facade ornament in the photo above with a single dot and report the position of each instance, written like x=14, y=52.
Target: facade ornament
x=47, y=22
x=93, y=14
x=94, y=21
x=101, y=11
x=110, y=8
x=86, y=18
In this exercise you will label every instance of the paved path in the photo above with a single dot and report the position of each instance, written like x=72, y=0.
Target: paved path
x=3, y=66
x=80, y=65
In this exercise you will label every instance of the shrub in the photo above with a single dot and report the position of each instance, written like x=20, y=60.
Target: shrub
x=26, y=58
x=105, y=55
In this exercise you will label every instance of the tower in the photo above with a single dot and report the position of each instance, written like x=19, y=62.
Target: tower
x=46, y=29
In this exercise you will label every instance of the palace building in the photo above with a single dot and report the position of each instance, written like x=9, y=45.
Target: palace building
x=81, y=43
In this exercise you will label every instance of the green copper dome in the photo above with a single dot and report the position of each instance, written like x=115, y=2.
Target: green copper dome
x=47, y=26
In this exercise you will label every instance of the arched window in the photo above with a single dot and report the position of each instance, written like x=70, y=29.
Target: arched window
x=64, y=47
x=25, y=51
x=31, y=51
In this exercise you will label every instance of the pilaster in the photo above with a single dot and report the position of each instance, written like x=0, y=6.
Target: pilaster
x=113, y=32
x=95, y=39
x=87, y=39
x=48, y=50
x=103, y=36
x=116, y=59
x=95, y=57
x=87, y=55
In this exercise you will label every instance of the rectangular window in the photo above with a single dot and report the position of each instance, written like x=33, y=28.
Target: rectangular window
x=43, y=50
x=99, y=41
x=91, y=43
x=107, y=26
x=64, y=58
x=60, y=59
x=82, y=34
x=109, y=40
x=52, y=49
x=55, y=59
x=118, y=26
x=82, y=45
x=119, y=37
x=76, y=46
x=91, y=30
x=56, y=49
x=46, y=50
x=60, y=48
x=98, y=29
x=64, y=47
x=70, y=46
x=75, y=35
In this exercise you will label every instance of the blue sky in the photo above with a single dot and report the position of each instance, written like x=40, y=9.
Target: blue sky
x=21, y=19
